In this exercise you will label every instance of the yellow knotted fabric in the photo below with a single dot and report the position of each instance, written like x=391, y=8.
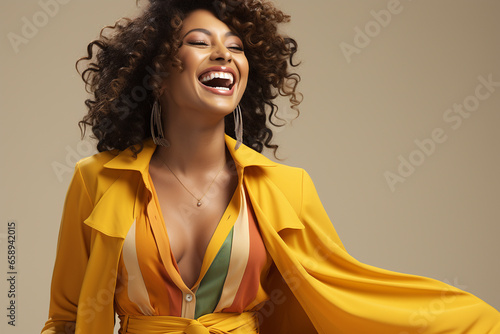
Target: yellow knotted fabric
x=213, y=323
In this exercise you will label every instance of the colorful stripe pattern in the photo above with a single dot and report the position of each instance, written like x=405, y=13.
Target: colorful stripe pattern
x=230, y=278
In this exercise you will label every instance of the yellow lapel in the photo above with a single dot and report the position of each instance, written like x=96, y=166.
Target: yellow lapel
x=269, y=202
x=116, y=210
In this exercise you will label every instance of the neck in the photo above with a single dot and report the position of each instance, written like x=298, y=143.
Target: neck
x=194, y=150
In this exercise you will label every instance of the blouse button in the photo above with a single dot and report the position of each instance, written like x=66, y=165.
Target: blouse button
x=189, y=297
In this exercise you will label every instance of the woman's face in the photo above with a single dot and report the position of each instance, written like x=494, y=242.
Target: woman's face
x=215, y=69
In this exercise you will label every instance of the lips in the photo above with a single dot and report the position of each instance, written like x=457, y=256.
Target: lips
x=219, y=79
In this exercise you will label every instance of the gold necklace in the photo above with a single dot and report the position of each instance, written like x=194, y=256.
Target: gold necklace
x=198, y=200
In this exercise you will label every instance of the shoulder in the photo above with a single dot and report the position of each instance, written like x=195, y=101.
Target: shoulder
x=100, y=171
x=94, y=176
x=93, y=167
x=291, y=182
x=260, y=169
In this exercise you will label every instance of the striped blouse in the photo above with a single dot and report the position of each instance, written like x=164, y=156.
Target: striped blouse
x=234, y=266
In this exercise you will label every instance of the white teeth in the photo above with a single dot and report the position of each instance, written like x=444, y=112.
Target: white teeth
x=217, y=75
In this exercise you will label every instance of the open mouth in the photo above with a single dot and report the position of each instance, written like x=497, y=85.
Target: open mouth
x=217, y=80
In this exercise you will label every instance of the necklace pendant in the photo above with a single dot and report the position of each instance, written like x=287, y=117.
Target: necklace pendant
x=198, y=204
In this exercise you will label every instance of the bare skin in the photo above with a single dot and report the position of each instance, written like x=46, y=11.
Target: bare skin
x=193, y=121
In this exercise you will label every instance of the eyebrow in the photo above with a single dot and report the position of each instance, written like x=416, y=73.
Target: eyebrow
x=208, y=32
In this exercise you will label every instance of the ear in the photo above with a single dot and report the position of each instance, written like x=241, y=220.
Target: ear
x=162, y=90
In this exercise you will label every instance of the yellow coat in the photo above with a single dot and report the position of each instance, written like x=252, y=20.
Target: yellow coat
x=318, y=287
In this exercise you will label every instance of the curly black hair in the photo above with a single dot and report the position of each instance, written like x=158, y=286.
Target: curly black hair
x=125, y=66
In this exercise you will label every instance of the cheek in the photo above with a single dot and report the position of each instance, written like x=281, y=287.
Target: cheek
x=245, y=67
x=190, y=61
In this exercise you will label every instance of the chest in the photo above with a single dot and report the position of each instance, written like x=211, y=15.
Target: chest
x=190, y=227
x=233, y=265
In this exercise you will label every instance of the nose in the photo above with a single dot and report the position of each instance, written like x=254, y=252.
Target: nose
x=221, y=53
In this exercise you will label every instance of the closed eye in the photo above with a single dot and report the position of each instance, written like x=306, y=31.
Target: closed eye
x=198, y=43
x=237, y=48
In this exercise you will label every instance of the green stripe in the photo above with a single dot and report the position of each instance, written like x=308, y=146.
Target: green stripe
x=210, y=290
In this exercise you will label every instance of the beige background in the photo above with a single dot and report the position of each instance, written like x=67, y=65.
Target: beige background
x=357, y=118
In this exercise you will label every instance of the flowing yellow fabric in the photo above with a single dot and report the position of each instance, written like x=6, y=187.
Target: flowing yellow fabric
x=214, y=323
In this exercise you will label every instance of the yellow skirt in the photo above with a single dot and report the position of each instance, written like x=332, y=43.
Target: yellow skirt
x=213, y=323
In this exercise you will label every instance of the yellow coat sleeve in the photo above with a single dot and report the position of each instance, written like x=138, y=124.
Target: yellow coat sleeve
x=342, y=295
x=72, y=255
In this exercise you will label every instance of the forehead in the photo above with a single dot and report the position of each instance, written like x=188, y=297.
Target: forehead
x=202, y=18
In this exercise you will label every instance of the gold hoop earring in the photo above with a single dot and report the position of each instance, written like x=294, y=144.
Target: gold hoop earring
x=238, y=126
x=156, y=126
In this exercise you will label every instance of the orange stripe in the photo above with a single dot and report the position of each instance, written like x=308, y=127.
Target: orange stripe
x=250, y=284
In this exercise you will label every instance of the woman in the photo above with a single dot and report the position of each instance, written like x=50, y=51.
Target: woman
x=179, y=228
